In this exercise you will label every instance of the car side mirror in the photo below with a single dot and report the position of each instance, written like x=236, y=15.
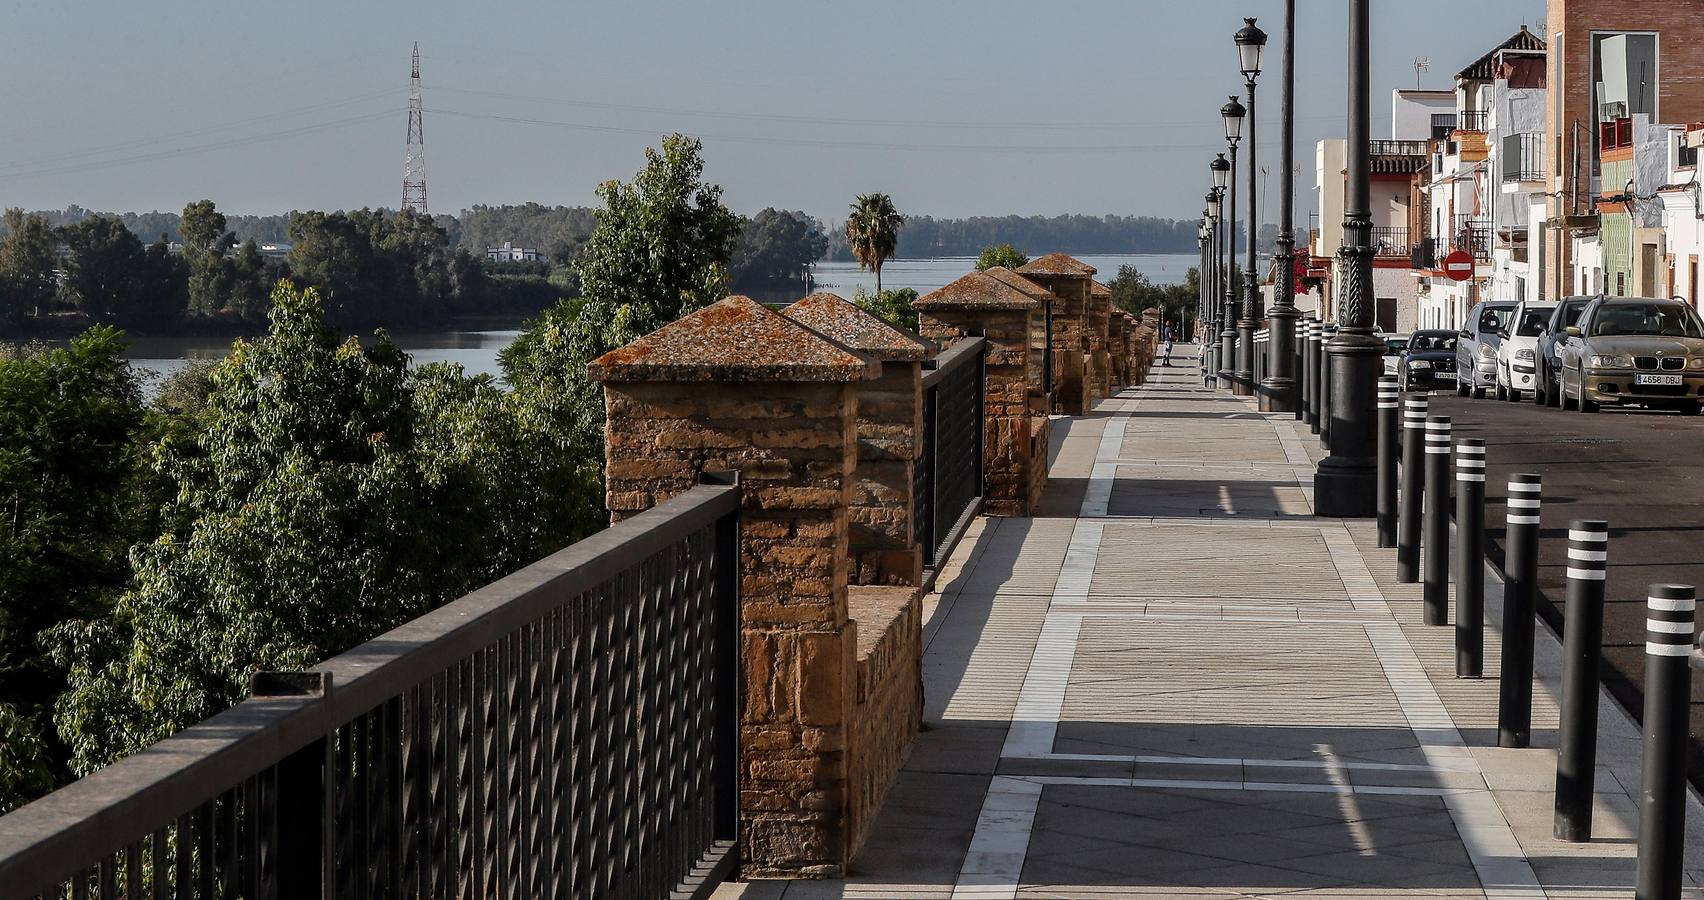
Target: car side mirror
x=1573, y=330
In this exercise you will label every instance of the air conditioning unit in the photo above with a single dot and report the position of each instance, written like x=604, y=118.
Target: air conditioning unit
x=1613, y=111
x=1694, y=137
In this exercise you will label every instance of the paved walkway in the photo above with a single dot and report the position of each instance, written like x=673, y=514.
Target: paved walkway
x=1176, y=682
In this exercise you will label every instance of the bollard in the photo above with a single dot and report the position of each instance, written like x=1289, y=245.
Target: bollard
x=1310, y=375
x=1470, y=558
x=1324, y=391
x=1436, y=525
x=1668, y=694
x=1408, y=502
x=1390, y=405
x=1582, y=654
x=1520, y=596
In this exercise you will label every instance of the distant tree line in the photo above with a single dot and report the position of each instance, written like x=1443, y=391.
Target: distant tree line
x=926, y=236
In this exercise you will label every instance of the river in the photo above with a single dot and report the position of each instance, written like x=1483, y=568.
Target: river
x=476, y=349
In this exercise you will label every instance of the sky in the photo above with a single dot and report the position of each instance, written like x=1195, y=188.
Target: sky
x=962, y=108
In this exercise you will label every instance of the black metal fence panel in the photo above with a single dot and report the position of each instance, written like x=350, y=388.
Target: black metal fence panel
x=568, y=731
x=948, y=479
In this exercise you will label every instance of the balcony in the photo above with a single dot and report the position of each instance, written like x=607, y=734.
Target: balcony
x=1523, y=158
x=1390, y=243
x=1471, y=120
x=1396, y=148
x=1442, y=125
x=1424, y=254
x=1472, y=234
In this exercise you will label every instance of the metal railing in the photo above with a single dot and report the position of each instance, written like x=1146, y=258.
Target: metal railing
x=569, y=730
x=1424, y=254
x=1523, y=157
x=1396, y=148
x=1472, y=120
x=947, y=482
x=1473, y=235
x=1391, y=243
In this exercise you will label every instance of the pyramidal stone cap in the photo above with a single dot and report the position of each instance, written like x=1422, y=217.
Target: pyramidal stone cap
x=1096, y=289
x=841, y=320
x=735, y=339
x=978, y=290
x=1012, y=279
x=1057, y=264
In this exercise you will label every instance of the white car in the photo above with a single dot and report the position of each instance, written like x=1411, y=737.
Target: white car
x=1517, y=350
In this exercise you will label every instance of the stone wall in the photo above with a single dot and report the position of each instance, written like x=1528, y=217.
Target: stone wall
x=888, y=704
x=1074, y=372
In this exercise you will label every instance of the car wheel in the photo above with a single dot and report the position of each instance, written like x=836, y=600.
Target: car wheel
x=1478, y=393
x=1689, y=408
x=1461, y=387
x=1585, y=404
x=1562, y=400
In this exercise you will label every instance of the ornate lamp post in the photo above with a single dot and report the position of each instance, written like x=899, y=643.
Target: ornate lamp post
x=1216, y=279
x=1344, y=484
x=1232, y=113
x=1251, y=48
x=1278, y=393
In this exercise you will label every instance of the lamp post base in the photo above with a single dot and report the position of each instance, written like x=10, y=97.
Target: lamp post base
x=1346, y=482
x=1280, y=392
x=1346, y=488
x=1244, y=384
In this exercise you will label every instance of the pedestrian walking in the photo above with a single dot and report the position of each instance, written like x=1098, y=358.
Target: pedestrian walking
x=1166, y=347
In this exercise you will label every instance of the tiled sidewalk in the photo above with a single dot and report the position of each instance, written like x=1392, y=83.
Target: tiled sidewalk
x=1182, y=684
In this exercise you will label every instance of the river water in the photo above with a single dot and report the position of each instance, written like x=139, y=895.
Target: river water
x=476, y=349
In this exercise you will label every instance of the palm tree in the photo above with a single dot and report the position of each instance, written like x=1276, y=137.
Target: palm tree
x=872, y=231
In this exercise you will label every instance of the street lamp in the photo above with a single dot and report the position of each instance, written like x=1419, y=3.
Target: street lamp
x=1344, y=484
x=1278, y=393
x=1210, y=276
x=1232, y=113
x=1251, y=48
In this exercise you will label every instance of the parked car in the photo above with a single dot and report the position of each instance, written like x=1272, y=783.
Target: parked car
x=1476, y=347
x=1517, y=350
x=1566, y=313
x=1628, y=350
x=1429, y=362
x=1394, y=345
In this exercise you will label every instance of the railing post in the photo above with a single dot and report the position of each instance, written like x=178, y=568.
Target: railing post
x=305, y=794
x=1582, y=655
x=1470, y=558
x=1668, y=696
x=1520, y=598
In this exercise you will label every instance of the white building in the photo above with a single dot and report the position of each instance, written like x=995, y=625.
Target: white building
x=1681, y=203
x=511, y=253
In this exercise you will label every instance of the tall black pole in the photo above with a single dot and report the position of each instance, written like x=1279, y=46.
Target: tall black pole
x=1668, y=693
x=1582, y=658
x=1280, y=391
x=1470, y=558
x=1520, y=598
x=1345, y=485
x=1229, y=309
x=1250, y=322
x=1435, y=523
x=1390, y=421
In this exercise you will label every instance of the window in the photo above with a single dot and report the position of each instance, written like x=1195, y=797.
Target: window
x=1665, y=319
x=1621, y=284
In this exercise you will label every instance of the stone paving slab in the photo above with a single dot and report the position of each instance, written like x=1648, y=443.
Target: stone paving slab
x=1176, y=682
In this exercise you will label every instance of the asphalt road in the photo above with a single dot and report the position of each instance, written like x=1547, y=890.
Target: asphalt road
x=1643, y=473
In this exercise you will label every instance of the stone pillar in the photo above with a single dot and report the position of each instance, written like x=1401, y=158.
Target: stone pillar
x=737, y=387
x=1015, y=433
x=1100, y=340
x=1068, y=280
x=1118, y=349
x=890, y=438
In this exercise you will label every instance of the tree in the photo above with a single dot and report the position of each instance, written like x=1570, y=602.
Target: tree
x=329, y=492
x=1000, y=255
x=893, y=307
x=777, y=248
x=29, y=253
x=77, y=494
x=1134, y=292
x=872, y=231
x=202, y=228
x=112, y=278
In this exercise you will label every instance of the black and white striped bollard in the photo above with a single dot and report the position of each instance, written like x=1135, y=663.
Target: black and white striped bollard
x=1436, y=525
x=1520, y=597
x=1324, y=391
x=1390, y=411
x=1312, y=375
x=1470, y=558
x=1582, y=655
x=1413, y=485
x=1668, y=694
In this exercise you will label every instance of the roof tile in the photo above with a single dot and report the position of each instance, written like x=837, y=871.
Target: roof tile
x=1057, y=264
x=1012, y=279
x=836, y=317
x=735, y=339
x=978, y=290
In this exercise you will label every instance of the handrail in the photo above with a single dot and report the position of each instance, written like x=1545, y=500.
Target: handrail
x=44, y=842
x=945, y=362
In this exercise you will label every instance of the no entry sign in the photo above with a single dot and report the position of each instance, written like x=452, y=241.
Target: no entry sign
x=1459, y=265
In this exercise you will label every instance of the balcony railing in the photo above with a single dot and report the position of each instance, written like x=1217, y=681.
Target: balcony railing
x=1424, y=254
x=570, y=730
x=1472, y=120
x=948, y=477
x=1523, y=158
x=1390, y=243
x=1473, y=235
x=1396, y=148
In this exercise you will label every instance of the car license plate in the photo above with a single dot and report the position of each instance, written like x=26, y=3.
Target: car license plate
x=1657, y=379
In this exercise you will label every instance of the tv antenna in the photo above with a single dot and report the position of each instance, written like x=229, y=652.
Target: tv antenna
x=1421, y=64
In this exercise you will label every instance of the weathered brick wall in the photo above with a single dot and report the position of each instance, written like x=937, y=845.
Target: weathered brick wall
x=890, y=430
x=1118, y=348
x=1070, y=342
x=1010, y=438
x=1099, y=351
x=888, y=704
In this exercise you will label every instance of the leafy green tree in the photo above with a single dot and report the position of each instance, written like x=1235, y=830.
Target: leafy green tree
x=111, y=277
x=77, y=494
x=329, y=493
x=1000, y=255
x=373, y=267
x=777, y=248
x=1134, y=292
x=893, y=307
x=29, y=253
x=872, y=232
x=202, y=228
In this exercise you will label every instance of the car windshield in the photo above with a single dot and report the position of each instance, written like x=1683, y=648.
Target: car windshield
x=1432, y=342
x=1394, y=346
x=1533, y=322
x=1666, y=319
x=1492, y=321
x=1571, y=312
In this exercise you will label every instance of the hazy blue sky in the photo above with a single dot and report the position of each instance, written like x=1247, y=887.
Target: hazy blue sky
x=955, y=108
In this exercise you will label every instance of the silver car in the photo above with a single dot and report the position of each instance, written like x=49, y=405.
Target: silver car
x=1476, y=347
x=1628, y=350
